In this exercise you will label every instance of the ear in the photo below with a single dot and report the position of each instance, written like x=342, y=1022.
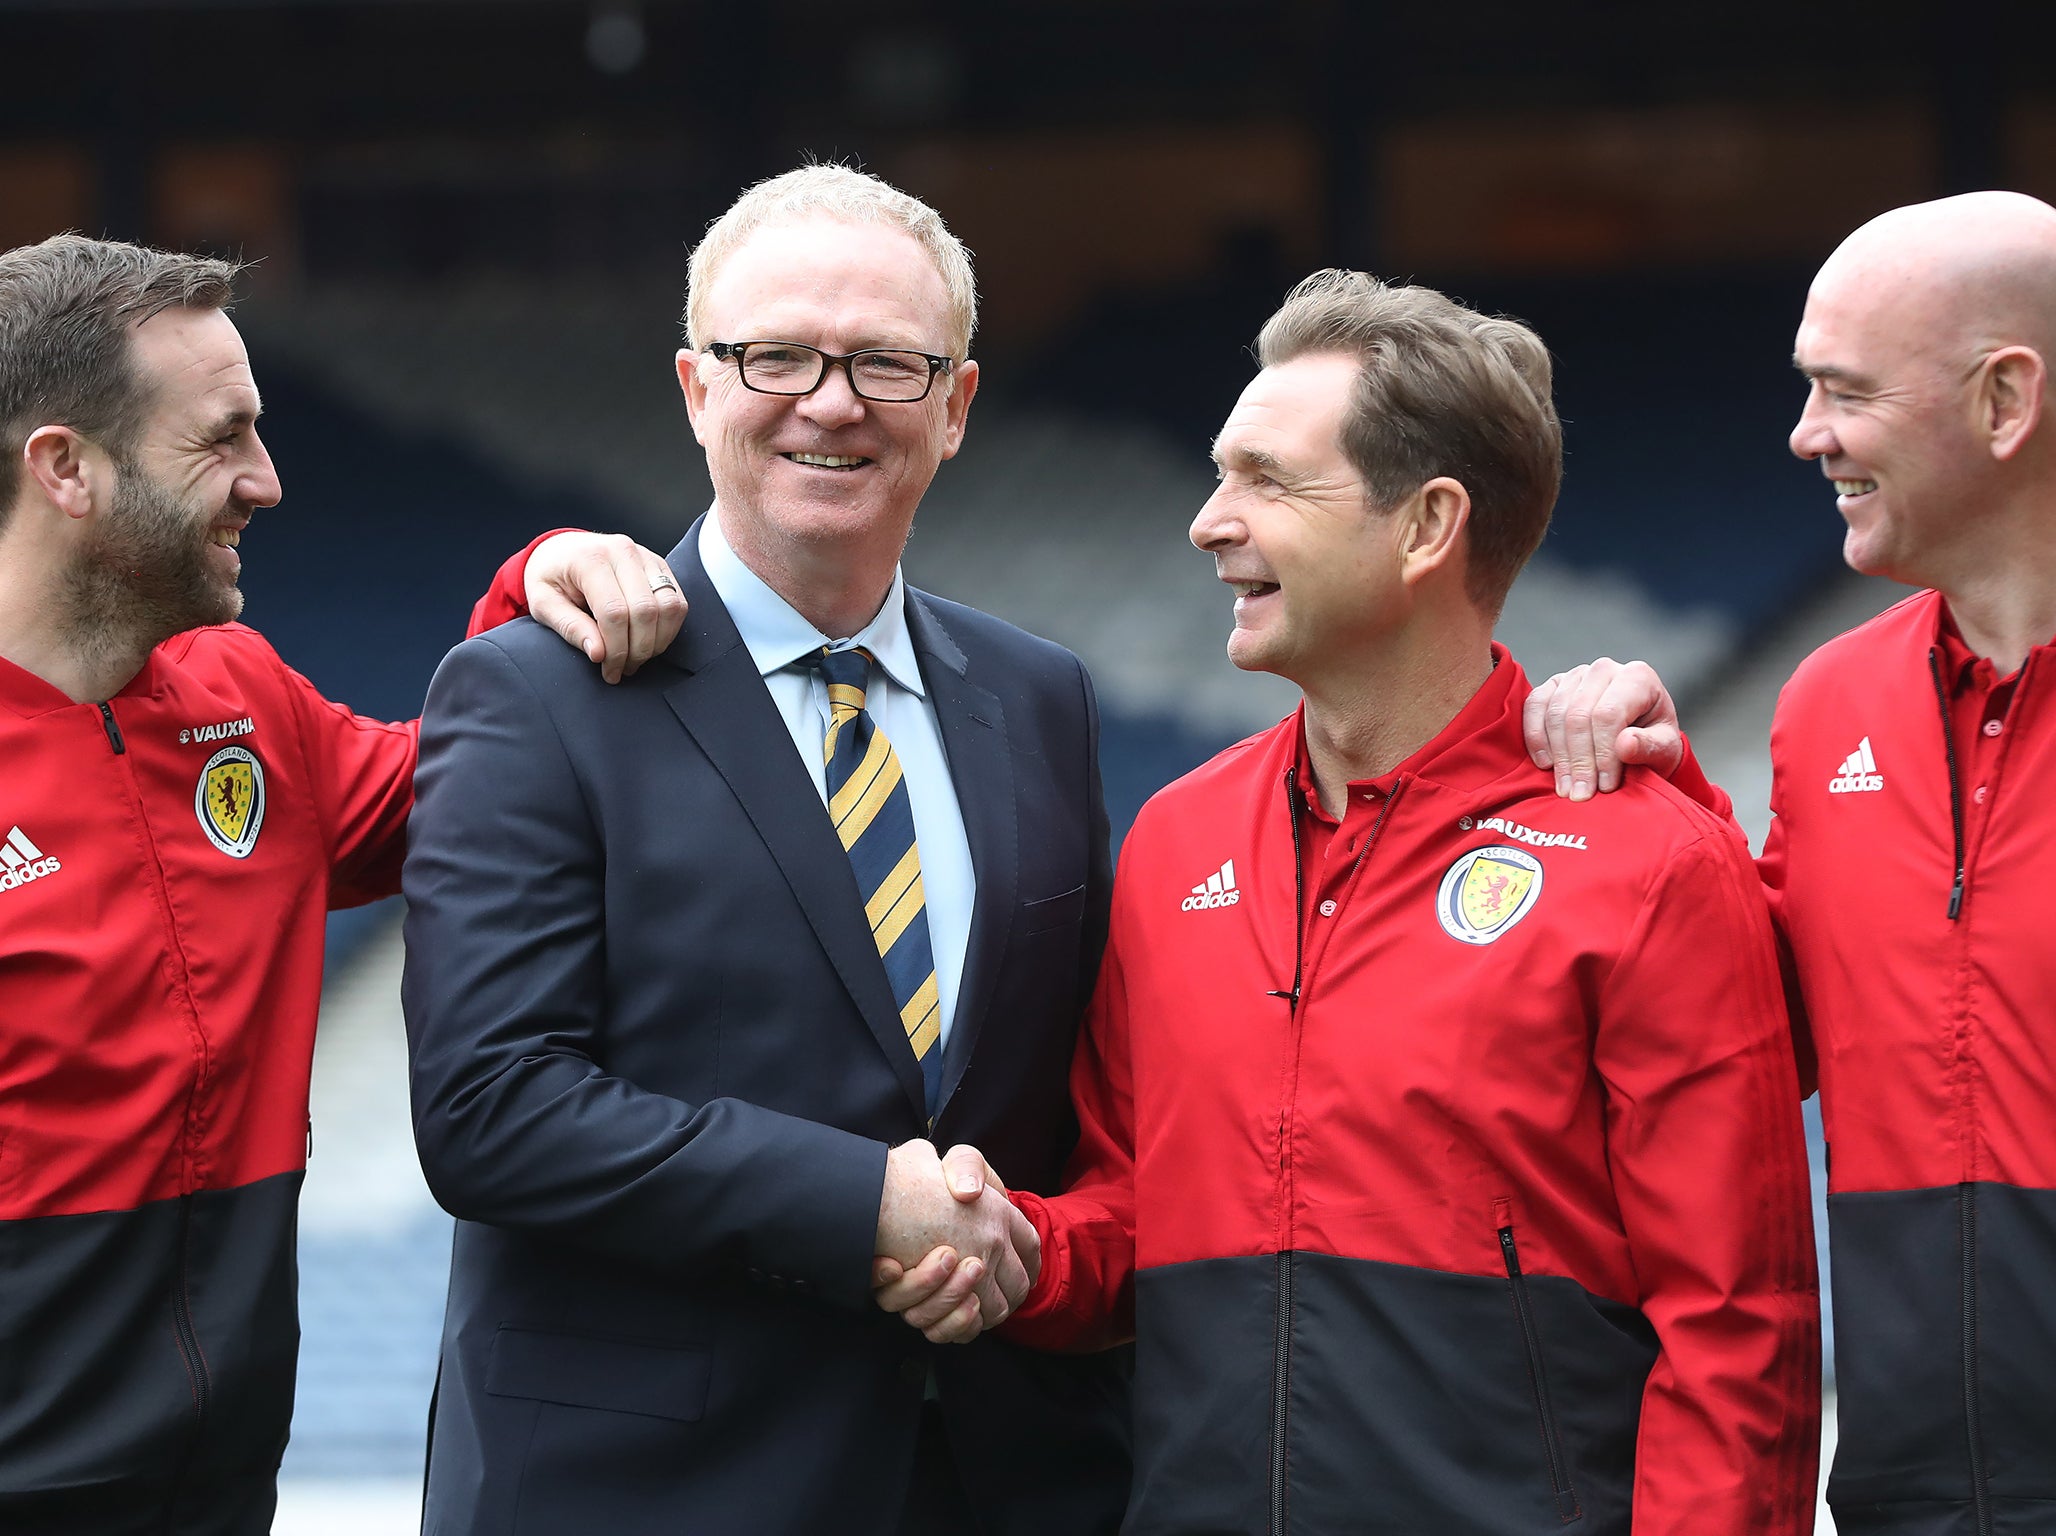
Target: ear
x=963, y=384
x=2010, y=398
x=69, y=471
x=693, y=387
x=1436, y=520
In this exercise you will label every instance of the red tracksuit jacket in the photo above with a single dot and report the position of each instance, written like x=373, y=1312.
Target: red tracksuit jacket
x=1474, y=1199
x=1909, y=882
x=166, y=863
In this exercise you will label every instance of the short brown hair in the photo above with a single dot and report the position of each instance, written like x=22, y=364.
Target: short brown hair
x=849, y=196
x=66, y=308
x=1441, y=390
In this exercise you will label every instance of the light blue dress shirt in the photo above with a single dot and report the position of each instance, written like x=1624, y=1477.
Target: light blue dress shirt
x=898, y=704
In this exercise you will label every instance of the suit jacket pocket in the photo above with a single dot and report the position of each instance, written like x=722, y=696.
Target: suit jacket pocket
x=664, y=1381
x=1052, y=912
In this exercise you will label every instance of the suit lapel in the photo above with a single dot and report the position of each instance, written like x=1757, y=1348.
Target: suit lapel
x=974, y=737
x=723, y=704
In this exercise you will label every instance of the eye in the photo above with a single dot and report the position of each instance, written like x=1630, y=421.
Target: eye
x=890, y=365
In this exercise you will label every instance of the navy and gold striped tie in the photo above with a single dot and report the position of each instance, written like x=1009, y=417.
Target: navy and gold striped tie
x=867, y=800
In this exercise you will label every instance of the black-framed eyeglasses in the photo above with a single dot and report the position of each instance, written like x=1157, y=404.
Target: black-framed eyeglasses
x=792, y=368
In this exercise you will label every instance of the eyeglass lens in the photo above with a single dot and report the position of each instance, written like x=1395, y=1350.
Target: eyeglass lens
x=791, y=369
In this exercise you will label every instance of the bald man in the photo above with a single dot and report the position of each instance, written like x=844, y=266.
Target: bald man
x=1911, y=856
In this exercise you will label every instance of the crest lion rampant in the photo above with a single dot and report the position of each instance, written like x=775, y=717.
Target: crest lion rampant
x=1486, y=892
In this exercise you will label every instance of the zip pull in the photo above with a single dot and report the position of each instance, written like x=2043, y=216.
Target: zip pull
x=107, y=723
x=1955, y=788
x=1292, y=809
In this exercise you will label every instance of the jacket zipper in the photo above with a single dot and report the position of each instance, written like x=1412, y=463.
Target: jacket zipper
x=1281, y=1359
x=1281, y=1366
x=113, y=730
x=1966, y=1193
x=187, y=1336
x=1559, y=1470
x=1298, y=891
x=1966, y=1231
x=1955, y=789
x=1281, y=1386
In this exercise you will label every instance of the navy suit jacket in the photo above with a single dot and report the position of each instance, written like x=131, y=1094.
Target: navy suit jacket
x=657, y=1067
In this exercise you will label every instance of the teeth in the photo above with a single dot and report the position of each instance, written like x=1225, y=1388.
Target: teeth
x=1855, y=487
x=826, y=460
x=227, y=538
x=1250, y=588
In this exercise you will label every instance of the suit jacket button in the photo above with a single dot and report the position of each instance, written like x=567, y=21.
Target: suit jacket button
x=914, y=1370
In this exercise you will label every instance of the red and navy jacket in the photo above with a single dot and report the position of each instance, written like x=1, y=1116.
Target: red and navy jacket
x=167, y=859
x=1447, y=1166
x=1908, y=870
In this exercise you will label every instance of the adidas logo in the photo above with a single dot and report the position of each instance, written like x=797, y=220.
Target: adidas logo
x=22, y=861
x=1217, y=890
x=1859, y=772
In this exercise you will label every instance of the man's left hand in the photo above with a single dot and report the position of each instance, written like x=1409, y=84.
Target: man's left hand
x=607, y=595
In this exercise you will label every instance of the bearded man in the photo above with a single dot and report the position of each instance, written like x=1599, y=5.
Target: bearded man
x=180, y=810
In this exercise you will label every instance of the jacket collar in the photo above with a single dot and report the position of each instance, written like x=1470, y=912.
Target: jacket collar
x=1472, y=751
x=23, y=693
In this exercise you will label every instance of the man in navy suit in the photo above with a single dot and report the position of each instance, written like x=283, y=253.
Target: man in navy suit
x=699, y=964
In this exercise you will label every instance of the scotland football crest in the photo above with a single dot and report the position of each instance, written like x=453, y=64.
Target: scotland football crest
x=1486, y=892
x=230, y=800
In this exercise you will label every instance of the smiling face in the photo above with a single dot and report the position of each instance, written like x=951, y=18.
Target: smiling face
x=1890, y=416
x=1315, y=568
x=799, y=477
x=165, y=551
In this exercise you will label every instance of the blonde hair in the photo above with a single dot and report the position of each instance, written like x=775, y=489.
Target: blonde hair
x=852, y=197
x=1440, y=390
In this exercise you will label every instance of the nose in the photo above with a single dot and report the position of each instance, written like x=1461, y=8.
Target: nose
x=257, y=483
x=834, y=403
x=1215, y=527
x=1812, y=437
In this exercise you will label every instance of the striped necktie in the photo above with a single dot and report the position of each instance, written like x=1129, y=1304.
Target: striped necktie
x=867, y=800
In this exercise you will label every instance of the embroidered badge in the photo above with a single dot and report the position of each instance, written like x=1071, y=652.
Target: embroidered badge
x=230, y=800
x=1486, y=892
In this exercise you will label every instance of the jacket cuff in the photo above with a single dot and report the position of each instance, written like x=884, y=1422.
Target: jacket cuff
x=1040, y=1321
x=507, y=598
x=1691, y=781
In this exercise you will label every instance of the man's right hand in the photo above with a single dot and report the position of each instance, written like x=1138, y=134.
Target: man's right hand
x=952, y=1249
x=1590, y=722
x=607, y=595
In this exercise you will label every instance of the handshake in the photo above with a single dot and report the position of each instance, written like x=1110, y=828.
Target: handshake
x=954, y=1255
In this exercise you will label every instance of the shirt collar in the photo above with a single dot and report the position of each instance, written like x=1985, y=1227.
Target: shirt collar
x=776, y=635
x=1964, y=668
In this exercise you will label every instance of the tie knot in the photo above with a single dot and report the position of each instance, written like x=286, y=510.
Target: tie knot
x=844, y=669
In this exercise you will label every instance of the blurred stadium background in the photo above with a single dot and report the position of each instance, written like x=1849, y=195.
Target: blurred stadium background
x=471, y=219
